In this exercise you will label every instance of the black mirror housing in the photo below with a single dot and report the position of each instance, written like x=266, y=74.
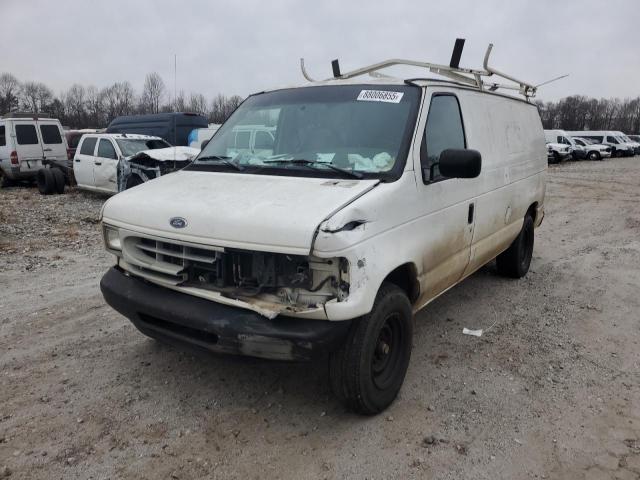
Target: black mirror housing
x=204, y=144
x=459, y=163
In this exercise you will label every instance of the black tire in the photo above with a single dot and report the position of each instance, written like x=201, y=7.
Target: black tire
x=514, y=262
x=46, y=182
x=6, y=181
x=133, y=181
x=594, y=156
x=556, y=157
x=58, y=178
x=367, y=371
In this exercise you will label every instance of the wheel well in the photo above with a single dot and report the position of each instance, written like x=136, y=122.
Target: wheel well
x=406, y=277
x=134, y=180
x=532, y=211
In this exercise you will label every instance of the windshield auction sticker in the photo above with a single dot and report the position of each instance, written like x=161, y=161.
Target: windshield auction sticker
x=380, y=96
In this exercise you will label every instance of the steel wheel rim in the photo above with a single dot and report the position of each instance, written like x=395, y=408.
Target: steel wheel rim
x=387, y=353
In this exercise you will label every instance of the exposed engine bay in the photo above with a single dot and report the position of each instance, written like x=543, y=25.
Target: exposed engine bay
x=272, y=281
x=150, y=164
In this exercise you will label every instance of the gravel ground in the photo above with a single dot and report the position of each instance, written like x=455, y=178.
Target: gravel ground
x=551, y=390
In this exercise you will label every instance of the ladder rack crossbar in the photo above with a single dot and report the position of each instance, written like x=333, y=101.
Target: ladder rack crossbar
x=468, y=76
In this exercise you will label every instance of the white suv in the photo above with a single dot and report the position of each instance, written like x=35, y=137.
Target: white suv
x=375, y=197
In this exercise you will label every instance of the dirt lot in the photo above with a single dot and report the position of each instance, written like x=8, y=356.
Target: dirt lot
x=552, y=390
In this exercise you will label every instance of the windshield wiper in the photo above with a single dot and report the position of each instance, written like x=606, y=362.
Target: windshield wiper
x=312, y=164
x=220, y=158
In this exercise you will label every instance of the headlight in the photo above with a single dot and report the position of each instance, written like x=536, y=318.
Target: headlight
x=112, y=238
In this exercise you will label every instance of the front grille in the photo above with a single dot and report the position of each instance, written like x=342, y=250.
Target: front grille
x=165, y=260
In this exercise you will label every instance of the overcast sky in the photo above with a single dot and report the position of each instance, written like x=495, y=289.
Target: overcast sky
x=241, y=47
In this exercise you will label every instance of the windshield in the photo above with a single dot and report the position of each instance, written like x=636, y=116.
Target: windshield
x=358, y=130
x=131, y=146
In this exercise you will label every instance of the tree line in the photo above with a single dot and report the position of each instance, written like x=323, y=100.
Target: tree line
x=90, y=107
x=578, y=112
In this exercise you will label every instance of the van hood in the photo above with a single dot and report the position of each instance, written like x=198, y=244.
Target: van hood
x=256, y=212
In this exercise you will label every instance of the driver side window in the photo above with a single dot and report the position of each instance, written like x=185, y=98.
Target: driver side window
x=443, y=130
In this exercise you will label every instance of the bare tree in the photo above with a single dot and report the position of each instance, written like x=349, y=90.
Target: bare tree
x=9, y=93
x=125, y=98
x=30, y=96
x=95, y=106
x=74, y=103
x=45, y=97
x=197, y=103
x=179, y=102
x=152, y=93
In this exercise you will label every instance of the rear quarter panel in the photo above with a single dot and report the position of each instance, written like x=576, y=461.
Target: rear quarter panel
x=509, y=135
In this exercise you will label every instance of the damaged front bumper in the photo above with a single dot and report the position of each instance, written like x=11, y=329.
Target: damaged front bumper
x=183, y=319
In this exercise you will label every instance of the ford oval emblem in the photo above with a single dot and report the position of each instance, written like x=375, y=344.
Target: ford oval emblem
x=177, y=222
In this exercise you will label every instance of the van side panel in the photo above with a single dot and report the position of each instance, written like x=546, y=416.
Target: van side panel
x=509, y=135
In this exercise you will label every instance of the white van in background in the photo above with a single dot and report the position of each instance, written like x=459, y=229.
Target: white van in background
x=629, y=141
x=561, y=146
x=619, y=147
x=377, y=196
x=198, y=137
x=27, y=142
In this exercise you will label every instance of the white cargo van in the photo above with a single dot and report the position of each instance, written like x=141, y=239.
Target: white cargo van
x=619, y=147
x=27, y=140
x=377, y=196
x=635, y=145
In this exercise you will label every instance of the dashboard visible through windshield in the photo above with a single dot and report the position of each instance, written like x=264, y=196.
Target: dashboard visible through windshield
x=360, y=131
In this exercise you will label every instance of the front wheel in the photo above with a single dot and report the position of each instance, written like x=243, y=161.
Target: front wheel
x=594, y=156
x=514, y=262
x=368, y=370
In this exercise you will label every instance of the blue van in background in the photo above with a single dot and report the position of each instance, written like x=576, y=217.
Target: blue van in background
x=173, y=127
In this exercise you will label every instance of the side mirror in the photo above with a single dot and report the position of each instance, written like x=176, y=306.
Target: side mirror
x=204, y=144
x=457, y=163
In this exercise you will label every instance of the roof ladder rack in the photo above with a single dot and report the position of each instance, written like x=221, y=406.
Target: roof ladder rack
x=477, y=78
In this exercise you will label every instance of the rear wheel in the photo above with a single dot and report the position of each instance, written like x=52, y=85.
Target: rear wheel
x=6, y=181
x=46, y=181
x=59, y=180
x=515, y=261
x=367, y=371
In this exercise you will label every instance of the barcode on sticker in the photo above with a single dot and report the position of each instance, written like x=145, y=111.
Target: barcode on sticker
x=380, y=96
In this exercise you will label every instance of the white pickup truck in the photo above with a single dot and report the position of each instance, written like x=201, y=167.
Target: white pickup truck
x=375, y=197
x=113, y=162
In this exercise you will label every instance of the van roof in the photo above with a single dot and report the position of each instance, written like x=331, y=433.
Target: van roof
x=154, y=117
x=421, y=82
x=30, y=116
